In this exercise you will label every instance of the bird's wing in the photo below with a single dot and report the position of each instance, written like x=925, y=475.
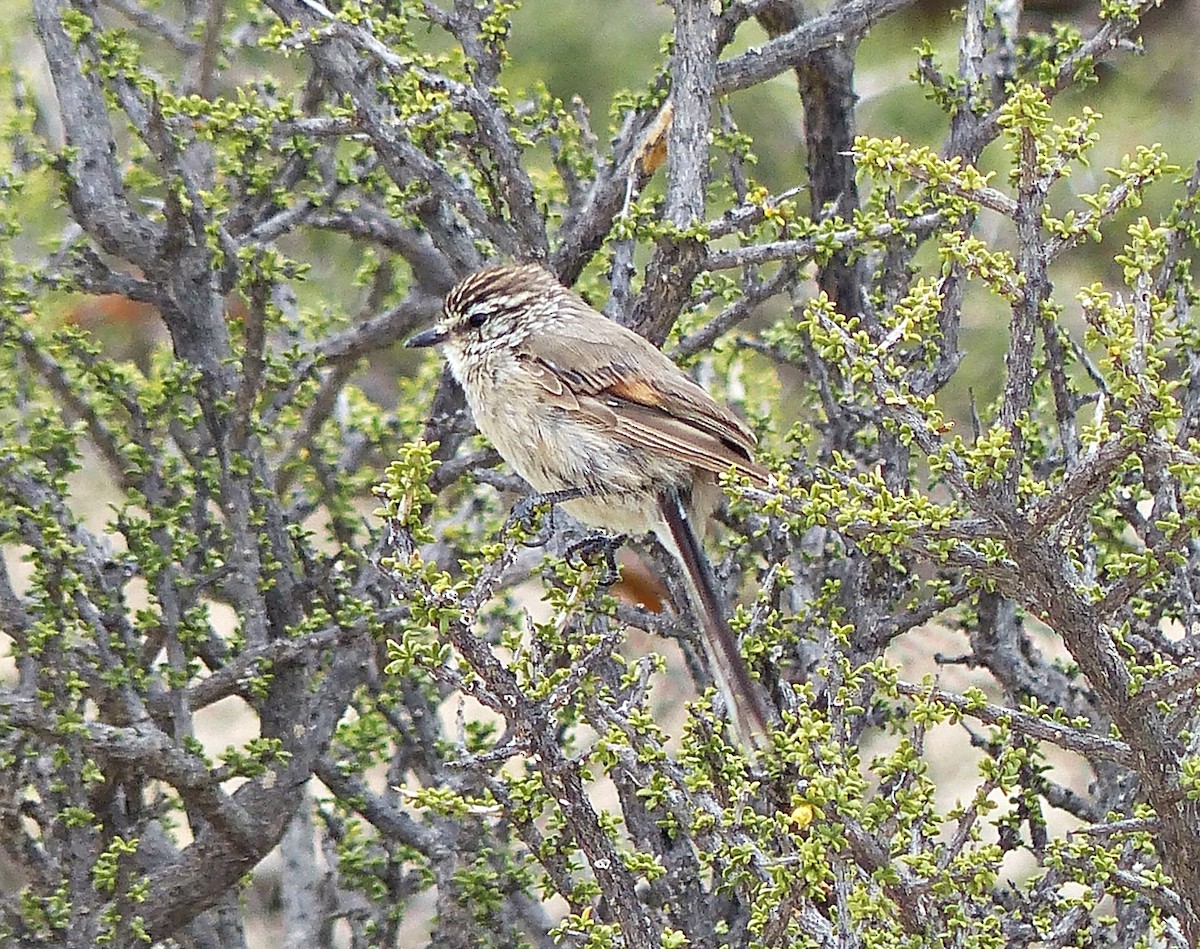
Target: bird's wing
x=630, y=388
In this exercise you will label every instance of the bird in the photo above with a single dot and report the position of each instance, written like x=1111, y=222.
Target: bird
x=595, y=417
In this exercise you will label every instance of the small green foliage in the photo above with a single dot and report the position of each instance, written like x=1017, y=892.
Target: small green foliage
x=77, y=25
x=104, y=870
x=405, y=488
x=254, y=759
x=46, y=915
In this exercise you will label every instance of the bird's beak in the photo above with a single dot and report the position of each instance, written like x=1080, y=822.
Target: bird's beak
x=430, y=337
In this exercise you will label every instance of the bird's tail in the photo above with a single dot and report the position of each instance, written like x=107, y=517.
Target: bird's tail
x=747, y=704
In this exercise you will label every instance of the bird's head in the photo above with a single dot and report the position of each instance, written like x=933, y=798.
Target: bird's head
x=494, y=308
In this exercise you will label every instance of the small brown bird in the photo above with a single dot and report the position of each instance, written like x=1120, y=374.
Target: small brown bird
x=578, y=404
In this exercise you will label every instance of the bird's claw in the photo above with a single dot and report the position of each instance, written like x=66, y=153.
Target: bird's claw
x=524, y=514
x=598, y=543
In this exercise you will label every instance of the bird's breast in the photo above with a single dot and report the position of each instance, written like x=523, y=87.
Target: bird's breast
x=546, y=439
x=555, y=446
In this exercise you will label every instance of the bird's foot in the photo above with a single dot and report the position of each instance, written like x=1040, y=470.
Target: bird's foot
x=606, y=545
x=527, y=516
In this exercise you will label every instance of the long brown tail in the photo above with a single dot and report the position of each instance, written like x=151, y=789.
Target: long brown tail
x=747, y=705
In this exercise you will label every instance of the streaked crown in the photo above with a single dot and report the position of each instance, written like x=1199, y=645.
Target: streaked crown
x=503, y=300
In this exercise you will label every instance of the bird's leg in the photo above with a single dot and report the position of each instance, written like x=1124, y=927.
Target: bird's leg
x=523, y=513
x=598, y=543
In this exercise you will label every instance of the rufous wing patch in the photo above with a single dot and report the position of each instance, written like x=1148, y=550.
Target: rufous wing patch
x=637, y=391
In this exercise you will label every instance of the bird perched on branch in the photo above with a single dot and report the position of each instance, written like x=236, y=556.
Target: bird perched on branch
x=595, y=417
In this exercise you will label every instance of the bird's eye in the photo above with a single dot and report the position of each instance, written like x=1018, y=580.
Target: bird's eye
x=477, y=319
